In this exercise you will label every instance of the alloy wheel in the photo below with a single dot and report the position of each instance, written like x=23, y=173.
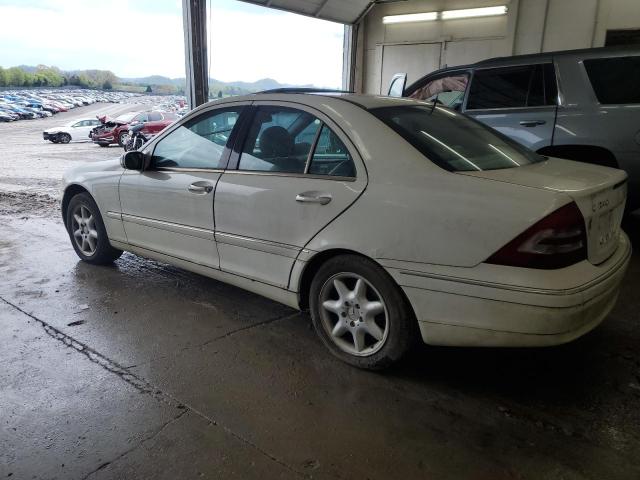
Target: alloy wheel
x=353, y=314
x=84, y=230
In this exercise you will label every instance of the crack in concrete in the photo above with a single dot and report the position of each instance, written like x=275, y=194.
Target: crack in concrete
x=145, y=387
x=138, y=445
x=220, y=337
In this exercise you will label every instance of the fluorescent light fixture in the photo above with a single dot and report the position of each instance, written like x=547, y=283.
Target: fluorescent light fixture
x=411, y=17
x=473, y=12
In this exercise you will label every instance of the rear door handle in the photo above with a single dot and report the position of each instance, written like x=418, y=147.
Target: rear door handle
x=199, y=188
x=532, y=123
x=313, y=197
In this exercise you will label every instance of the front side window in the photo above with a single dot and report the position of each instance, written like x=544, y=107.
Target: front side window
x=453, y=141
x=331, y=157
x=615, y=80
x=155, y=117
x=448, y=91
x=198, y=143
x=279, y=140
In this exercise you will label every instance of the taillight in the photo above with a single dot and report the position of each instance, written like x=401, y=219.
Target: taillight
x=556, y=241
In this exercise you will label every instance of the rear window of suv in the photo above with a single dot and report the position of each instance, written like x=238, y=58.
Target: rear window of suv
x=615, y=80
x=453, y=141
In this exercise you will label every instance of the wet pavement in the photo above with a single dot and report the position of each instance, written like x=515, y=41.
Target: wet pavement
x=143, y=370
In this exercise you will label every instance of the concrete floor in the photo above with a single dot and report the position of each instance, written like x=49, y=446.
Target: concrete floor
x=142, y=370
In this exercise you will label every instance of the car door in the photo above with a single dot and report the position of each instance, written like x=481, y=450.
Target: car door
x=168, y=208
x=519, y=101
x=291, y=173
x=154, y=124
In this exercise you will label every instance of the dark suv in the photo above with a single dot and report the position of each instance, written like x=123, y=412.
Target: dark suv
x=577, y=104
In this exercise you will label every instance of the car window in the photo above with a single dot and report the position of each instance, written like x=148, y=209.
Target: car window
x=142, y=117
x=77, y=124
x=448, y=91
x=279, y=140
x=155, y=117
x=454, y=141
x=199, y=143
x=615, y=80
x=500, y=88
x=330, y=156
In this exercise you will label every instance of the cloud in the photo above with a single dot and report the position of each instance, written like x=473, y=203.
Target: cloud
x=143, y=37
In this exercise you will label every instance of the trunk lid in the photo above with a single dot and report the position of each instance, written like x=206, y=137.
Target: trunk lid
x=599, y=192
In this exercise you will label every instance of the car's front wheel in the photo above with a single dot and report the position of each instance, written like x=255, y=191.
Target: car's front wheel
x=87, y=232
x=360, y=313
x=64, y=138
x=122, y=138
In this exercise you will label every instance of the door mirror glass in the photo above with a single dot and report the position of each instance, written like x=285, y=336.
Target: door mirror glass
x=133, y=160
x=396, y=87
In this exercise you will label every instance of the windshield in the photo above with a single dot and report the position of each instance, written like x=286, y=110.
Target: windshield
x=454, y=141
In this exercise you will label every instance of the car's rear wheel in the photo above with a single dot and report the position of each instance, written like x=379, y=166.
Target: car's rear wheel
x=64, y=138
x=360, y=313
x=87, y=232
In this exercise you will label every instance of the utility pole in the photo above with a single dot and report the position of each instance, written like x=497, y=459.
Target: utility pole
x=194, y=19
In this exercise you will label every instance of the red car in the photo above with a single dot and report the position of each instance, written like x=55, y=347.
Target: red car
x=114, y=132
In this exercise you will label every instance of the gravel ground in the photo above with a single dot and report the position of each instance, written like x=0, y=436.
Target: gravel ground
x=34, y=166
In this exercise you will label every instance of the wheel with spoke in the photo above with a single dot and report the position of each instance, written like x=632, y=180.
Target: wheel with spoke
x=360, y=313
x=87, y=232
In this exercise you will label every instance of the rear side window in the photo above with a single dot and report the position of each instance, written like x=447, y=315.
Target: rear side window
x=453, y=141
x=615, y=80
x=513, y=87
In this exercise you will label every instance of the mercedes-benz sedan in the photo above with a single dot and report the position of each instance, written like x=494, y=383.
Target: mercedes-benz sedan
x=391, y=220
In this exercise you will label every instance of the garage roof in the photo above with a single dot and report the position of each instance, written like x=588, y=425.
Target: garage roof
x=342, y=11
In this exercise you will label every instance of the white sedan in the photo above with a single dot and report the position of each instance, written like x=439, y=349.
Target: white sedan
x=76, y=130
x=389, y=219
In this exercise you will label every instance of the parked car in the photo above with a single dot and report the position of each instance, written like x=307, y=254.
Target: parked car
x=117, y=131
x=6, y=117
x=390, y=219
x=576, y=104
x=75, y=130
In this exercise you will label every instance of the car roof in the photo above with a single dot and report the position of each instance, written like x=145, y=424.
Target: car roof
x=315, y=98
x=544, y=57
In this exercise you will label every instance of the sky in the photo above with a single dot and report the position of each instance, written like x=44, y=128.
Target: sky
x=136, y=38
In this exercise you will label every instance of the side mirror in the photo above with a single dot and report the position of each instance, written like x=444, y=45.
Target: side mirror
x=133, y=160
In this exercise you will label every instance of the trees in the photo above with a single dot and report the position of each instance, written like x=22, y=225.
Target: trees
x=107, y=85
x=148, y=90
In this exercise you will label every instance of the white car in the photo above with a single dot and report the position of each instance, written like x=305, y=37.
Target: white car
x=76, y=130
x=390, y=219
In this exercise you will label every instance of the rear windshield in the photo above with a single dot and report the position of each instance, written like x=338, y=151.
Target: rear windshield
x=615, y=80
x=454, y=141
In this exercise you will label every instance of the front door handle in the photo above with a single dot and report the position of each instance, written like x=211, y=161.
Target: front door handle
x=532, y=123
x=201, y=189
x=313, y=197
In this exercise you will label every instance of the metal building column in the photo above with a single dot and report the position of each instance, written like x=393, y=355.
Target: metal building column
x=194, y=20
x=349, y=50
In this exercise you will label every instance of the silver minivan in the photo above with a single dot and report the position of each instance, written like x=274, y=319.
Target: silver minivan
x=577, y=104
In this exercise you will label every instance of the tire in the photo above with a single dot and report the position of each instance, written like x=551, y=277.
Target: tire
x=380, y=304
x=122, y=138
x=64, y=138
x=89, y=237
x=104, y=145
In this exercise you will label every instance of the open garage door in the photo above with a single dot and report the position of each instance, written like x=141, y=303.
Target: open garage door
x=416, y=60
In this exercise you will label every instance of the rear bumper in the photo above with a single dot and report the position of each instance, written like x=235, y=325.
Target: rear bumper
x=473, y=312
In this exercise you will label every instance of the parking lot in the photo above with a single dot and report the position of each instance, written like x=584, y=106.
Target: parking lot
x=142, y=370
